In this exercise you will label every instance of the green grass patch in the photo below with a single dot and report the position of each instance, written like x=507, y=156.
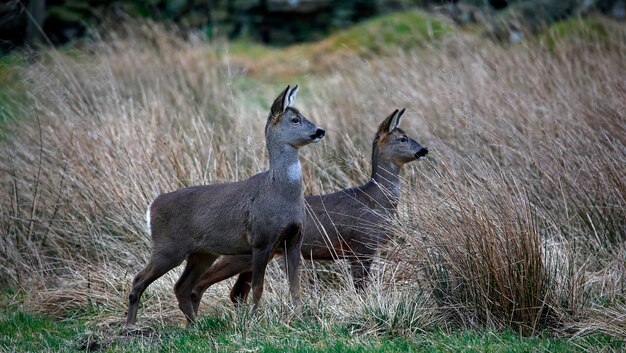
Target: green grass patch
x=405, y=30
x=382, y=35
x=12, y=91
x=23, y=332
x=585, y=29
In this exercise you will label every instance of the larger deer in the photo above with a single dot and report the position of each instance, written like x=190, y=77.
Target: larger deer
x=350, y=223
x=256, y=216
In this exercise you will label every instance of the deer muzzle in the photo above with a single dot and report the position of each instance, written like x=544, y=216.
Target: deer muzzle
x=319, y=133
x=421, y=153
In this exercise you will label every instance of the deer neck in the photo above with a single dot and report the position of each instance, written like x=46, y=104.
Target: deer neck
x=386, y=177
x=285, y=171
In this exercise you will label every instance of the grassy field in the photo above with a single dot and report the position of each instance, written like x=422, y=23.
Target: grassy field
x=23, y=331
x=511, y=236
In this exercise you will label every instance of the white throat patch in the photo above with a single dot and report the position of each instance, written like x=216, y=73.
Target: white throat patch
x=294, y=172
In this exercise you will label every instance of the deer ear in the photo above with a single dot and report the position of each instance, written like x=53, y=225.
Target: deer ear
x=386, y=125
x=290, y=97
x=396, y=122
x=279, y=105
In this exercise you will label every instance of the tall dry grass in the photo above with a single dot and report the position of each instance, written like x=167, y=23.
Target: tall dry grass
x=516, y=221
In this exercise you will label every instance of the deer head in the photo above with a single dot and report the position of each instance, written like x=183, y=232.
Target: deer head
x=392, y=145
x=287, y=126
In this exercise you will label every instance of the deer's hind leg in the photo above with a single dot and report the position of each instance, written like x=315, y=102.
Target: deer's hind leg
x=225, y=267
x=159, y=265
x=241, y=288
x=197, y=264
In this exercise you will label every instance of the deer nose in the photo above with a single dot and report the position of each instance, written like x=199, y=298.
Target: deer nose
x=319, y=133
x=422, y=153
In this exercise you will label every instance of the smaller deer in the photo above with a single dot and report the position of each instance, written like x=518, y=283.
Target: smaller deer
x=350, y=224
x=254, y=217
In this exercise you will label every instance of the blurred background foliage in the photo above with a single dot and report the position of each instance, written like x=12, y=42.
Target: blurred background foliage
x=276, y=22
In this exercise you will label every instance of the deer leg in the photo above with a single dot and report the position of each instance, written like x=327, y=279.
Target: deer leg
x=292, y=262
x=241, y=288
x=197, y=264
x=156, y=268
x=225, y=267
x=360, y=269
x=260, y=258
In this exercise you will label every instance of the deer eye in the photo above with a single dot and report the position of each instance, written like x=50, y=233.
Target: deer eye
x=295, y=119
x=403, y=139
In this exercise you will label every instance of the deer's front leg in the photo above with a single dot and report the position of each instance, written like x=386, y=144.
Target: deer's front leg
x=360, y=268
x=293, y=242
x=260, y=258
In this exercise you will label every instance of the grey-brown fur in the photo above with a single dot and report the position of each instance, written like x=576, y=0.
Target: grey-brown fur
x=253, y=217
x=350, y=223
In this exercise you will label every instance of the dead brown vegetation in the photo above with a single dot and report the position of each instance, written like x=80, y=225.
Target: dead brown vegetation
x=516, y=221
